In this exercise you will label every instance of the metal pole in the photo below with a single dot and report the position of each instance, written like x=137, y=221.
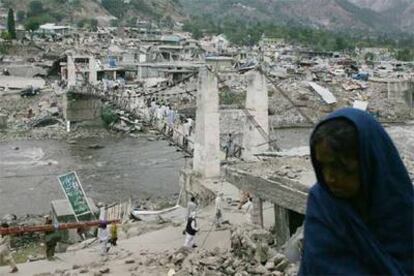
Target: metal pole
x=50, y=227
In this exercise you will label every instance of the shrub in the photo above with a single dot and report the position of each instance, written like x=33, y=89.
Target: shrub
x=108, y=116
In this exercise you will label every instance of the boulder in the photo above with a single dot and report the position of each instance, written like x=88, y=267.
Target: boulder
x=270, y=265
x=281, y=266
x=129, y=261
x=259, y=270
x=104, y=270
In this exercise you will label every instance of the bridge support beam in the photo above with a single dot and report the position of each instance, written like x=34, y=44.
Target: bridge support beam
x=256, y=130
x=207, y=129
x=281, y=224
x=257, y=216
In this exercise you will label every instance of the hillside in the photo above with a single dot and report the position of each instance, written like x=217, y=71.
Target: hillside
x=380, y=5
x=326, y=14
x=364, y=16
x=65, y=11
x=401, y=12
x=407, y=22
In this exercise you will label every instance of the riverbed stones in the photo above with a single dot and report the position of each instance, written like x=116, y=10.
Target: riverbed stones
x=104, y=270
x=129, y=261
x=270, y=265
x=9, y=218
x=258, y=270
x=83, y=270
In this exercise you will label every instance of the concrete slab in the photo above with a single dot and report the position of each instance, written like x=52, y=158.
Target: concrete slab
x=21, y=82
x=326, y=95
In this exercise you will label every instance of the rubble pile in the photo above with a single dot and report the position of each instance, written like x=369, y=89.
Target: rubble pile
x=251, y=254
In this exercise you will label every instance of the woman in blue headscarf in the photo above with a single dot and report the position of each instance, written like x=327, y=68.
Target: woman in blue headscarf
x=359, y=217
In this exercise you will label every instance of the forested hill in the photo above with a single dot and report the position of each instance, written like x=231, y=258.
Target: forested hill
x=105, y=12
x=350, y=15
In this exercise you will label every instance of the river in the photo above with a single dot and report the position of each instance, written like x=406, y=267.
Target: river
x=125, y=167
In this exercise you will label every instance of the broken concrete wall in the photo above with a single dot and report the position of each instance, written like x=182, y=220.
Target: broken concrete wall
x=192, y=183
x=3, y=121
x=400, y=93
x=82, y=108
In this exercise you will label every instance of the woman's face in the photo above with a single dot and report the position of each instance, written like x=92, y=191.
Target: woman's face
x=340, y=173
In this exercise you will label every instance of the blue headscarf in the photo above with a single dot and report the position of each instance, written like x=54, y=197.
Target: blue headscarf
x=337, y=241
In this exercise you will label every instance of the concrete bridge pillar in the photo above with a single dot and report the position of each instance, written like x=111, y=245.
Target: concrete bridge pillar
x=256, y=131
x=281, y=224
x=71, y=71
x=257, y=216
x=207, y=131
x=93, y=73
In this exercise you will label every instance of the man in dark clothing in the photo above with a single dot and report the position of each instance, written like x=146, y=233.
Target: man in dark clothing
x=51, y=240
x=190, y=231
x=229, y=146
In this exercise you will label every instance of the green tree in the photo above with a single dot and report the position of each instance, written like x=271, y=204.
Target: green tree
x=11, y=26
x=32, y=24
x=404, y=55
x=35, y=8
x=132, y=21
x=369, y=56
x=5, y=36
x=193, y=29
x=115, y=7
x=114, y=23
x=93, y=24
x=340, y=44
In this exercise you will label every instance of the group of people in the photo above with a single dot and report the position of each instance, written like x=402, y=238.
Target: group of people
x=107, y=238
x=170, y=122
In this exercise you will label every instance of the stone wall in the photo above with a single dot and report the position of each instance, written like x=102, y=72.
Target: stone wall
x=192, y=183
x=81, y=108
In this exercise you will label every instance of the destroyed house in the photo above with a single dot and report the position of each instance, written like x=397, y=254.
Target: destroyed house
x=221, y=63
x=53, y=29
x=79, y=69
x=174, y=51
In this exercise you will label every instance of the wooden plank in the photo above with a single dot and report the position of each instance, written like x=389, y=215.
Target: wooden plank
x=285, y=196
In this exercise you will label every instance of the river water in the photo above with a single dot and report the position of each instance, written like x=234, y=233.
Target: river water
x=125, y=167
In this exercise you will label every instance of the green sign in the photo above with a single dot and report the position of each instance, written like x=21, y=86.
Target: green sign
x=74, y=192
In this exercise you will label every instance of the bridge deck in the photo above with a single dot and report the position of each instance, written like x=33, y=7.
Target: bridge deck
x=284, y=181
